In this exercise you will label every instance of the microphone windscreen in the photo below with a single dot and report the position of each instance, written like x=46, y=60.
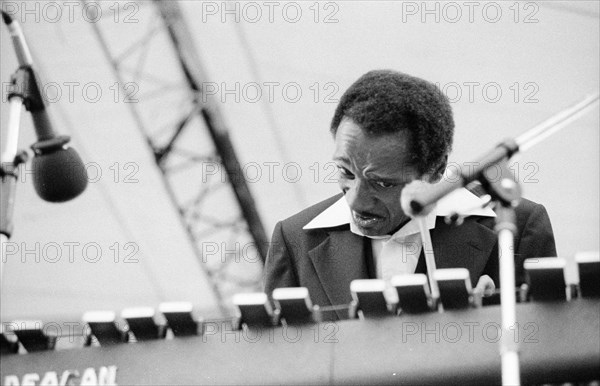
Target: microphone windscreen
x=59, y=175
x=413, y=191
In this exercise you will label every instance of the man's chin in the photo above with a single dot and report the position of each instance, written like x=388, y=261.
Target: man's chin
x=372, y=231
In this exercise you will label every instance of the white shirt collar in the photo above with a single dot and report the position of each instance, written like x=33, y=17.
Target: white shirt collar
x=459, y=201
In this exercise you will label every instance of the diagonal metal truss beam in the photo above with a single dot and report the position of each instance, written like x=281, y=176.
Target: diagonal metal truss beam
x=195, y=75
x=186, y=132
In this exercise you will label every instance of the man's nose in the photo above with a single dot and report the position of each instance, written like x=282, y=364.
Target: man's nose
x=359, y=196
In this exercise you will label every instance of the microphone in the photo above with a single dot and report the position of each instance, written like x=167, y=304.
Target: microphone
x=59, y=174
x=418, y=197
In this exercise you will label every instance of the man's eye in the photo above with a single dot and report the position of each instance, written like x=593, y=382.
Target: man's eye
x=384, y=184
x=345, y=172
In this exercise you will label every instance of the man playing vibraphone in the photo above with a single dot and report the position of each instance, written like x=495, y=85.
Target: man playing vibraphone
x=390, y=129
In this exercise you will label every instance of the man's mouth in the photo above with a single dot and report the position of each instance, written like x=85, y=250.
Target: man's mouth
x=366, y=220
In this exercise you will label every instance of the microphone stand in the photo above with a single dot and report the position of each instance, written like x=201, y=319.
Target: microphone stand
x=506, y=192
x=23, y=91
x=9, y=173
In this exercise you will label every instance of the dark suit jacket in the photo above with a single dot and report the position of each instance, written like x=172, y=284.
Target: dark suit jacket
x=326, y=260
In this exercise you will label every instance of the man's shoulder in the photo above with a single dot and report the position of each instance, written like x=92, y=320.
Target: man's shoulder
x=300, y=219
x=528, y=206
x=524, y=208
x=528, y=209
x=525, y=211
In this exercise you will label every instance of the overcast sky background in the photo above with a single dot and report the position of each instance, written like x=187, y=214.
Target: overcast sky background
x=506, y=66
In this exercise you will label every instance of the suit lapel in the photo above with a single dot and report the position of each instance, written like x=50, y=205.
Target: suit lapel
x=468, y=246
x=341, y=258
x=338, y=260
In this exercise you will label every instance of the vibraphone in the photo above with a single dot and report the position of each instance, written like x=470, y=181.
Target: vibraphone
x=380, y=343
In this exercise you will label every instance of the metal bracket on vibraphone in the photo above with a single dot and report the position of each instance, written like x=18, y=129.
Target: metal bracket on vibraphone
x=372, y=298
x=31, y=335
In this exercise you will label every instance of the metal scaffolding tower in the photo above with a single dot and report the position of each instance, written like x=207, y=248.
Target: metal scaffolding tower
x=160, y=72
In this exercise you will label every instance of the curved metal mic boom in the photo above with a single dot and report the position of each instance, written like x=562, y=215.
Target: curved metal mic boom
x=504, y=150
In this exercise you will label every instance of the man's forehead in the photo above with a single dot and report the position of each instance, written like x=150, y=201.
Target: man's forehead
x=393, y=171
x=382, y=163
x=349, y=131
x=351, y=140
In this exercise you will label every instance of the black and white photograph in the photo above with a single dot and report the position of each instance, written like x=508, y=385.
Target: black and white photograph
x=299, y=192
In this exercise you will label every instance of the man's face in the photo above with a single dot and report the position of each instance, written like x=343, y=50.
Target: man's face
x=373, y=170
